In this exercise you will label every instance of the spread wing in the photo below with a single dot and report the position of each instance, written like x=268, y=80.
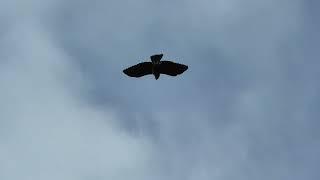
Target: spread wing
x=139, y=70
x=156, y=57
x=171, y=68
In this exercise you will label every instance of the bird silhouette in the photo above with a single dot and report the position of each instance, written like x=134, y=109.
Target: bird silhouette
x=156, y=67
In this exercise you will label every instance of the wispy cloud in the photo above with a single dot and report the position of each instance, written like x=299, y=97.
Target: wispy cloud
x=47, y=131
x=246, y=108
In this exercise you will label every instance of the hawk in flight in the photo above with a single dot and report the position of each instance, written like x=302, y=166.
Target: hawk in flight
x=155, y=67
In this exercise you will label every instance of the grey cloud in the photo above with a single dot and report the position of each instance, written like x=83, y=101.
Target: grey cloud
x=245, y=109
x=47, y=132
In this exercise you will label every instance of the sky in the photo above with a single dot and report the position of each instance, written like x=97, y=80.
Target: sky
x=247, y=108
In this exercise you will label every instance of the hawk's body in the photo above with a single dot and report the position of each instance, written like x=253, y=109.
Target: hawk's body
x=156, y=67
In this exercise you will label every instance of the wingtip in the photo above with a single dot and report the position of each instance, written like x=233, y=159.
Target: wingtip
x=185, y=67
x=125, y=71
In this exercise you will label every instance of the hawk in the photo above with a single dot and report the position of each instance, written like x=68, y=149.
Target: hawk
x=155, y=67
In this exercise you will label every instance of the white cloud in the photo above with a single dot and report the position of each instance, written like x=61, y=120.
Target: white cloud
x=47, y=131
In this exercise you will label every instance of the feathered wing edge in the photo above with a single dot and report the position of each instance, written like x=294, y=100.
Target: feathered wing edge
x=171, y=68
x=139, y=70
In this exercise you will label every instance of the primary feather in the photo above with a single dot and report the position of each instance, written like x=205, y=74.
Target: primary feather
x=172, y=68
x=139, y=70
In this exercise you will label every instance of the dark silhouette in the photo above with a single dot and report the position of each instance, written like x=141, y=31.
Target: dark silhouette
x=155, y=67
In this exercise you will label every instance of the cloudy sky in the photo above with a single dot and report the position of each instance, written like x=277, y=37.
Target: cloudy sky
x=247, y=108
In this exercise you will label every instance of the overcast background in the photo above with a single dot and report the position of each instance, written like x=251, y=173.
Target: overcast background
x=247, y=108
